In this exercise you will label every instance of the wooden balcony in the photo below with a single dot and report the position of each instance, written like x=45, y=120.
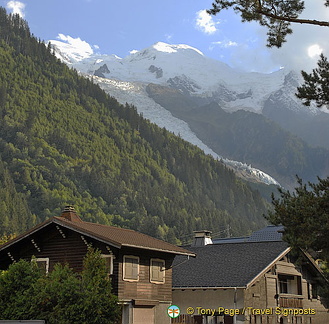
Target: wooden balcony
x=291, y=302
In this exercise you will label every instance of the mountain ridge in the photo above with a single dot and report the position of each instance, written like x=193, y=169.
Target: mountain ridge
x=63, y=140
x=203, y=80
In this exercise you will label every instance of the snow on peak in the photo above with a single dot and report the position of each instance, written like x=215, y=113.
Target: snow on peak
x=73, y=49
x=167, y=48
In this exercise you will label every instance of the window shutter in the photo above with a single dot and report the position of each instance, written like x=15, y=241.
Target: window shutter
x=131, y=268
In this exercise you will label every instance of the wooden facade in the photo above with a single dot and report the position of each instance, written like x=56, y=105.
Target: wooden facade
x=66, y=242
x=296, y=305
x=143, y=289
x=50, y=243
x=283, y=291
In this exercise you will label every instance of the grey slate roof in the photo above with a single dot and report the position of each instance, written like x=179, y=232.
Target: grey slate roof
x=268, y=233
x=225, y=265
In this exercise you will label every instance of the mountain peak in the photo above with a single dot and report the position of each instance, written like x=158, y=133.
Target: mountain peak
x=169, y=48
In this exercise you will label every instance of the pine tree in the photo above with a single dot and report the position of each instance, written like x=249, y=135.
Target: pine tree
x=316, y=86
x=275, y=15
x=305, y=216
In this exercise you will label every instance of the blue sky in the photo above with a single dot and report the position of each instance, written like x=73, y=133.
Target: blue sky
x=120, y=26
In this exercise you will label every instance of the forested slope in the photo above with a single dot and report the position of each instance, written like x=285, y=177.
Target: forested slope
x=247, y=137
x=65, y=141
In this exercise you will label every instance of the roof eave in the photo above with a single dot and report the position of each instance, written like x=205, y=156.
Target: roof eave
x=188, y=253
x=283, y=253
x=207, y=287
x=312, y=262
x=66, y=224
x=25, y=235
x=117, y=244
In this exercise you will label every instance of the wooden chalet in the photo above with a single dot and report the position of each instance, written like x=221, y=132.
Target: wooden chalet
x=140, y=266
x=254, y=280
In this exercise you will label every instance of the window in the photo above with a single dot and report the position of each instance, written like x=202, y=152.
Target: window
x=283, y=284
x=130, y=268
x=290, y=284
x=108, y=262
x=157, y=271
x=42, y=263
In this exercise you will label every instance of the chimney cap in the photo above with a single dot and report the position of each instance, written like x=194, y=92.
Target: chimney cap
x=202, y=238
x=202, y=233
x=70, y=214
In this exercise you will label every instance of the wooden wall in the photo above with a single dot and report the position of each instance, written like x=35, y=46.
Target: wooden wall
x=264, y=294
x=143, y=288
x=67, y=246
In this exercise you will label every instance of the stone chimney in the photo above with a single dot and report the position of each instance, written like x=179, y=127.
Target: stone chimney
x=202, y=238
x=70, y=214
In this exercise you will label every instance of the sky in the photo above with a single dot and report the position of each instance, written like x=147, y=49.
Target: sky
x=122, y=26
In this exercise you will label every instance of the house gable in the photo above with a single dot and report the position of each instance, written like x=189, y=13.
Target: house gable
x=219, y=265
x=66, y=239
x=261, y=276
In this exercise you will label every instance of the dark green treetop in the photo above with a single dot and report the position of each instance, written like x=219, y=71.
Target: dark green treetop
x=61, y=296
x=277, y=16
x=305, y=216
x=273, y=14
x=316, y=85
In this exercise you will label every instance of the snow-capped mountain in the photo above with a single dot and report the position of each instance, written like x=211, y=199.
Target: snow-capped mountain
x=183, y=67
x=184, y=71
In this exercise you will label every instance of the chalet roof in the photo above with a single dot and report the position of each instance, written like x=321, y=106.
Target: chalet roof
x=226, y=265
x=115, y=236
x=122, y=237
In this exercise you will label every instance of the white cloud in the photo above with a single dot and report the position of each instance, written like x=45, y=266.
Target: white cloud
x=205, y=22
x=303, y=47
x=16, y=7
x=96, y=47
x=314, y=50
x=224, y=44
x=168, y=37
x=300, y=52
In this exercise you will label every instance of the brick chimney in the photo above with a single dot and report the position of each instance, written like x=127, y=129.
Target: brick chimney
x=202, y=238
x=70, y=214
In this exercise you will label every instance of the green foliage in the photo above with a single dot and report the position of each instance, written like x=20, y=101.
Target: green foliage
x=247, y=137
x=275, y=15
x=316, y=85
x=15, y=284
x=15, y=215
x=101, y=305
x=63, y=141
x=305, y=216
x=60, y=296
x=6, y=237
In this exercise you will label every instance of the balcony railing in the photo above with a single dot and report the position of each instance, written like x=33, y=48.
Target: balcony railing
x=291, y=302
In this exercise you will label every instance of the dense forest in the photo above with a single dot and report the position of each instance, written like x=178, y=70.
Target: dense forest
x=248, y=137
x=63, y=140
